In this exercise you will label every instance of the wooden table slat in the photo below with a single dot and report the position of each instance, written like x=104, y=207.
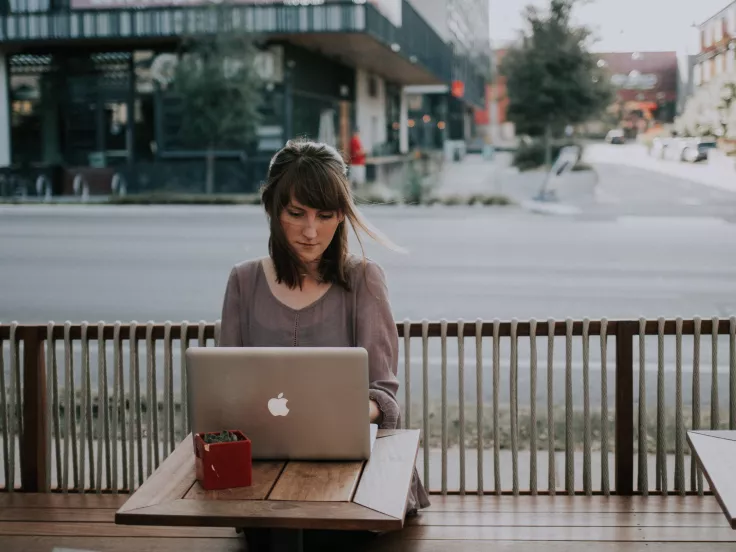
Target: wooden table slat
x=108, y=530
x=386, y=479
x=318, y=481
x=262, y=513
x=173, y=478
x=566, y=519
x=265, y=475
x=36, y=543
x=537, y=505
x=61, y=500
x=696, y=535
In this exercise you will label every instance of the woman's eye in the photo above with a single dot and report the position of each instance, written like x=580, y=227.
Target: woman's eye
x=294, y=214
x=327, y=216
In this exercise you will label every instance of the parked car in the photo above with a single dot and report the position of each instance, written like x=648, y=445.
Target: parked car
x=616, y=136
x=697, y=150
x=687, y=149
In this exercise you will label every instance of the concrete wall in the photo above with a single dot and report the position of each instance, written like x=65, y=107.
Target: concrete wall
x=434, y=12
x=370, y=110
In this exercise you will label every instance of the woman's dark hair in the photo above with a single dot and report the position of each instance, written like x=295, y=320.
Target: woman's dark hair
x=315, y=175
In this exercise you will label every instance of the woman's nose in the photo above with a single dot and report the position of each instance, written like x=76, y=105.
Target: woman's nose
x=310, y=229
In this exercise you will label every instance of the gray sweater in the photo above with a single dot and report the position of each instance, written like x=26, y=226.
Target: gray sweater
x=253, y=317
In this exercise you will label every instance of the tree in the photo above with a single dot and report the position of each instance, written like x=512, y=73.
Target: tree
x=220, y=94
x=552, y=80
x=711, y=111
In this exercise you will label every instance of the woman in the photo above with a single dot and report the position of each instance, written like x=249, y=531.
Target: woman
x=309, y=291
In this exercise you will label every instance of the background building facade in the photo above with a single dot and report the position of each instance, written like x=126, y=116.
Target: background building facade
x=446, y=116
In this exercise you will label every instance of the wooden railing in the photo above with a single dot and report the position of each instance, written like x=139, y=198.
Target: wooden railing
x=133, y=431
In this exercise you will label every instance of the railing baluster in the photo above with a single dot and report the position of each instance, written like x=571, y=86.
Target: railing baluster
x=496, y=377
x=407, y=374
x=13, y=417
x=136, y=383
x=514, y=404
x=152, y=398
x=17, y=410
x=4, y=421
x=587, y=484
x=715, y=412
x=661, y=452
x=479, y=401
x=732, y=372
x=551, y=471
x=52, y=412
x=679, y=426
x=103, y=430
x=643, y=479
x=183, y=399
x=169, y=441
x=425, y=398
x=443, y=338
x=569, y=438
x=118, y=401
x=86, y=399
x=533, y=407
x=696, y=475
x=605, y=474
x=461, y=398
x=69, y=411
x=218, y=328
x=201, y=340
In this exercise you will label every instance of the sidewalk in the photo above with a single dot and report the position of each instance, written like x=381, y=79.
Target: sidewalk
x=717, y=173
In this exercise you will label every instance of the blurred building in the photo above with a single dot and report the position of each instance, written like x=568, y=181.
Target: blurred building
x=445, y=116
x=81, y=81
x=717, y=53
x=646, y=85
x=493, y=122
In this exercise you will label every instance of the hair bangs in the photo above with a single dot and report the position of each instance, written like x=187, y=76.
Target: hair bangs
x=313, y=185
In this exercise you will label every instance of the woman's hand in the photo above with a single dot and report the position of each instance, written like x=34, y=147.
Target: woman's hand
x=375, y=412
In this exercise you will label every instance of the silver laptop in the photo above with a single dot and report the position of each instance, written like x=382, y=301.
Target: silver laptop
x=300, y=403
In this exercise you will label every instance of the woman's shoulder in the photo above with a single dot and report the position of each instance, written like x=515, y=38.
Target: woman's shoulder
x=248, y=266
x=245, y=272
x=364, y=270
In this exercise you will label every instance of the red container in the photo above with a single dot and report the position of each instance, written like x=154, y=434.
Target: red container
x=223, y=465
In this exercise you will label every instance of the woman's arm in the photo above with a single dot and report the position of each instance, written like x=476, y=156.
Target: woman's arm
x=230, y=328
x=376, y=332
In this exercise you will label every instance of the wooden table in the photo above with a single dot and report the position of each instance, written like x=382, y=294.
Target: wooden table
x=288, y=496
x=715, y=452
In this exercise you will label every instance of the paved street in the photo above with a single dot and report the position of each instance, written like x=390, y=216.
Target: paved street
x=644, y=244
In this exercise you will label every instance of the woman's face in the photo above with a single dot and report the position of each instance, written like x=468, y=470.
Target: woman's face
x=309, y=231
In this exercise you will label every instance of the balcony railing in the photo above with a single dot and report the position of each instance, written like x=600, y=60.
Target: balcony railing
x=97, y=407
x=415, y=40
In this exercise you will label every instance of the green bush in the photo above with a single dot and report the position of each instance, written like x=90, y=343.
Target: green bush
x=531, y=156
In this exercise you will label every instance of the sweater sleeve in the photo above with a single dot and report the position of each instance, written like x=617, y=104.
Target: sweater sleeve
x=376, y=333
x=231, y=327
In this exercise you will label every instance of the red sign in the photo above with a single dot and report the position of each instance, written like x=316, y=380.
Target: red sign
x=458, y=89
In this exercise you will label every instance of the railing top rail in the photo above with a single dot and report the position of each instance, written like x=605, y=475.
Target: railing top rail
x=416, y=329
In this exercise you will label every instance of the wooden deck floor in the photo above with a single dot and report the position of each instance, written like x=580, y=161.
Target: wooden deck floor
x=40, y=523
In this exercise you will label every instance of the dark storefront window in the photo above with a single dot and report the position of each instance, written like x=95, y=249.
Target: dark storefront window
x=393, y=118
x=428, y=121
x=316, y=118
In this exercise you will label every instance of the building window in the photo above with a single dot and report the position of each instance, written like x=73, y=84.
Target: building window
x=372, y=87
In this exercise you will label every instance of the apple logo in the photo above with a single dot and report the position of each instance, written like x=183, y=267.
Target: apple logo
x=277, y=406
